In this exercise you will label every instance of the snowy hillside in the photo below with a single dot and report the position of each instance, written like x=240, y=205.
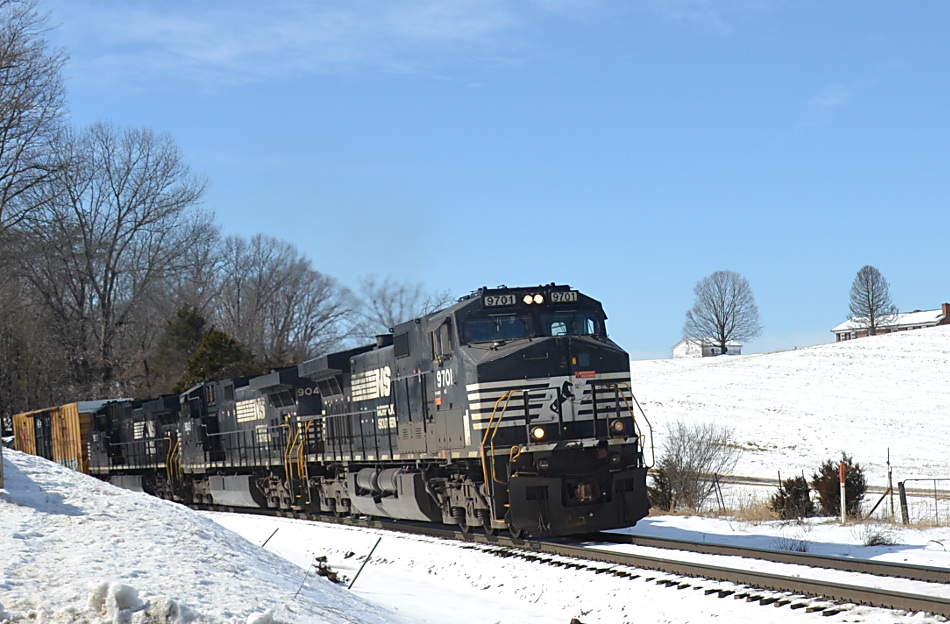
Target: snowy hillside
x=791, y=410
x=75, y=549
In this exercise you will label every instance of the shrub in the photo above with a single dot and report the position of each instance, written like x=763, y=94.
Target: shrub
x=694, y=454
x=876, y=535
x=660, y=493
x=791, y=544
x=826, y=484
x=793, y=499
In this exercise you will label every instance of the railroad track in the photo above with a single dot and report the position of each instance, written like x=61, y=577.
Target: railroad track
x=720, y=570
x=847, y=564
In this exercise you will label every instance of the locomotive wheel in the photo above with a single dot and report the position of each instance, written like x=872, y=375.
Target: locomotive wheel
x=515, y=533
x=486, y=522
x=458, y=514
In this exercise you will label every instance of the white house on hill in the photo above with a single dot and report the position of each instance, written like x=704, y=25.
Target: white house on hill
x=694, y=348
x=918, y=319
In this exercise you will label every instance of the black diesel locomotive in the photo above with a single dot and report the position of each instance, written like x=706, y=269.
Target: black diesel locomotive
x=511, y=409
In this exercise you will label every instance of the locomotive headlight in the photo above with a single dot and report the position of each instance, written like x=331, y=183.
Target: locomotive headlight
x=528, y=299
x=539, y=298
x=537, y=433
x=617, y=426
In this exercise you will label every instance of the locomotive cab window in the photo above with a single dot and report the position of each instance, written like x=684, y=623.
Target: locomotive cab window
x=442, y=340
x=281, y=399
x=329, y=387
x=401, y=344
x=571, y=324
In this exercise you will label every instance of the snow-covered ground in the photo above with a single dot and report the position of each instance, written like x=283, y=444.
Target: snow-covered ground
x=73, y=549
x=78, y=550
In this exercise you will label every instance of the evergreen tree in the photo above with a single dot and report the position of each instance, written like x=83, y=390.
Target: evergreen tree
x=827, y=484
x=182, y=337
x=792, y=500
x=219, y=356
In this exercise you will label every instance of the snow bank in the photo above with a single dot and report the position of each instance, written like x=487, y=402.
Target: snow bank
x=79, y=550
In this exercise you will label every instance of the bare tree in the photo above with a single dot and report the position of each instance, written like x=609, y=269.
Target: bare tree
x=271, y=299
x=111, y=225
x=871, y=306
x=724, y=310
x=31, y=107
x=694, y=454
x=31, y=371
x=386, y=302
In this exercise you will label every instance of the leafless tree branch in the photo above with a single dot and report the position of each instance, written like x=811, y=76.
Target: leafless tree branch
x=31, y=107
x=724, y=310
x=870, y=301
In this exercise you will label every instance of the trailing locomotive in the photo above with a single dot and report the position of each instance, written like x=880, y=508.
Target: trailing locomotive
x=510, y=409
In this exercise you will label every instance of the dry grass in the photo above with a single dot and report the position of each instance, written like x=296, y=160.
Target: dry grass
x=753, y=510
x=791, y=544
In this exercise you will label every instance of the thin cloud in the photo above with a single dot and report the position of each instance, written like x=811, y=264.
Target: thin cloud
x=234, y=42
x=835, y=97
x=711, y=16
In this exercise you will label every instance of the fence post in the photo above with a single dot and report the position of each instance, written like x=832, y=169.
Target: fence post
x=890, y=482
x=903, y=498
x=844, y=516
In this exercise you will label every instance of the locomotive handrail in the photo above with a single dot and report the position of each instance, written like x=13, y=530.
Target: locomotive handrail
x=295, y=454
x=168, y=458
x=288, y=447
x=638, y=430
x=650, y=427
x=253, y=452
x=506, y=397
x=636, y=425
x=170, y=465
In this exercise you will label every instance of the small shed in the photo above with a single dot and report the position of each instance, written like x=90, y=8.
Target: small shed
x=699, y=347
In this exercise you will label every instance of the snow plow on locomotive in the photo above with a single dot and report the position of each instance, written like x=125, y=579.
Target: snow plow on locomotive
x=510, y=409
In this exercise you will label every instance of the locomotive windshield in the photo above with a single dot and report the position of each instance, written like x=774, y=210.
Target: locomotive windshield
x=482, y=327
x=496, y=327
x=570, y=324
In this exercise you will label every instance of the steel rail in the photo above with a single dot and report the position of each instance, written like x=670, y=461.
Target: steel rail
x=790, y=583
x=848, y=564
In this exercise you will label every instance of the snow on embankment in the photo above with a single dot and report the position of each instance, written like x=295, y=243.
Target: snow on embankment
x=79, y=550
x=792, y=410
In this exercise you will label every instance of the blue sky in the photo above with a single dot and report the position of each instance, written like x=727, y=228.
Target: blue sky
x=626, y=151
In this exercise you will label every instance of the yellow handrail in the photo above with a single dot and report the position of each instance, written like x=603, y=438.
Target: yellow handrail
x=291, y=441
x=168, y=458
x=301, y=458
x=174, y=453
x=493, y=431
